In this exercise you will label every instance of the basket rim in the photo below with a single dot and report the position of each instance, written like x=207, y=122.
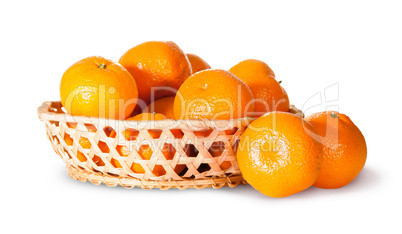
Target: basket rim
x=44, y=113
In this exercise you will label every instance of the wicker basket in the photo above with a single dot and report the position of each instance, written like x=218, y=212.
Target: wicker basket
x=191, y=141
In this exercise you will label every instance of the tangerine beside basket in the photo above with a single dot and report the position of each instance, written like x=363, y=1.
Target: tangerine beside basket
x=190, y=140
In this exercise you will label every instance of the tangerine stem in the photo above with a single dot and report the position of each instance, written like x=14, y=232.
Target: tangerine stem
x=333, y=115
x=102, y=66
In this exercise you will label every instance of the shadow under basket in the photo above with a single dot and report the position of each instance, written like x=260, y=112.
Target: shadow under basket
x=148, y=154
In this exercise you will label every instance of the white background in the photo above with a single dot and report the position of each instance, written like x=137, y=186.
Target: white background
x=311, y=45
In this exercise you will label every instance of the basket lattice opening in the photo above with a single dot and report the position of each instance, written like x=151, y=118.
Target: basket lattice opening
x=163, y=153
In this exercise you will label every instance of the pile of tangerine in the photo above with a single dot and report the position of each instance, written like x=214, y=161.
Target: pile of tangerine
x=279, y=153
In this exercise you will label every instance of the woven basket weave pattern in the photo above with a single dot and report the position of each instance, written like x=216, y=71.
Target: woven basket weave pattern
x=192, y=150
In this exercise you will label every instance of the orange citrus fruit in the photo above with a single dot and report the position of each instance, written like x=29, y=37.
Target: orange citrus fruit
x=197, y=63
x=278, y=156
x=159, y=68
x=268, y=93
x=96, y=86
x=344, y=147
x=163, y=106
x=148, y=117
x=212, y=94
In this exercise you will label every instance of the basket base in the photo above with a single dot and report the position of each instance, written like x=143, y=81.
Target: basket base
x=130, y=182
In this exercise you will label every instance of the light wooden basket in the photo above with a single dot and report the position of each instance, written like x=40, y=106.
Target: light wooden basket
x=192, y=150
